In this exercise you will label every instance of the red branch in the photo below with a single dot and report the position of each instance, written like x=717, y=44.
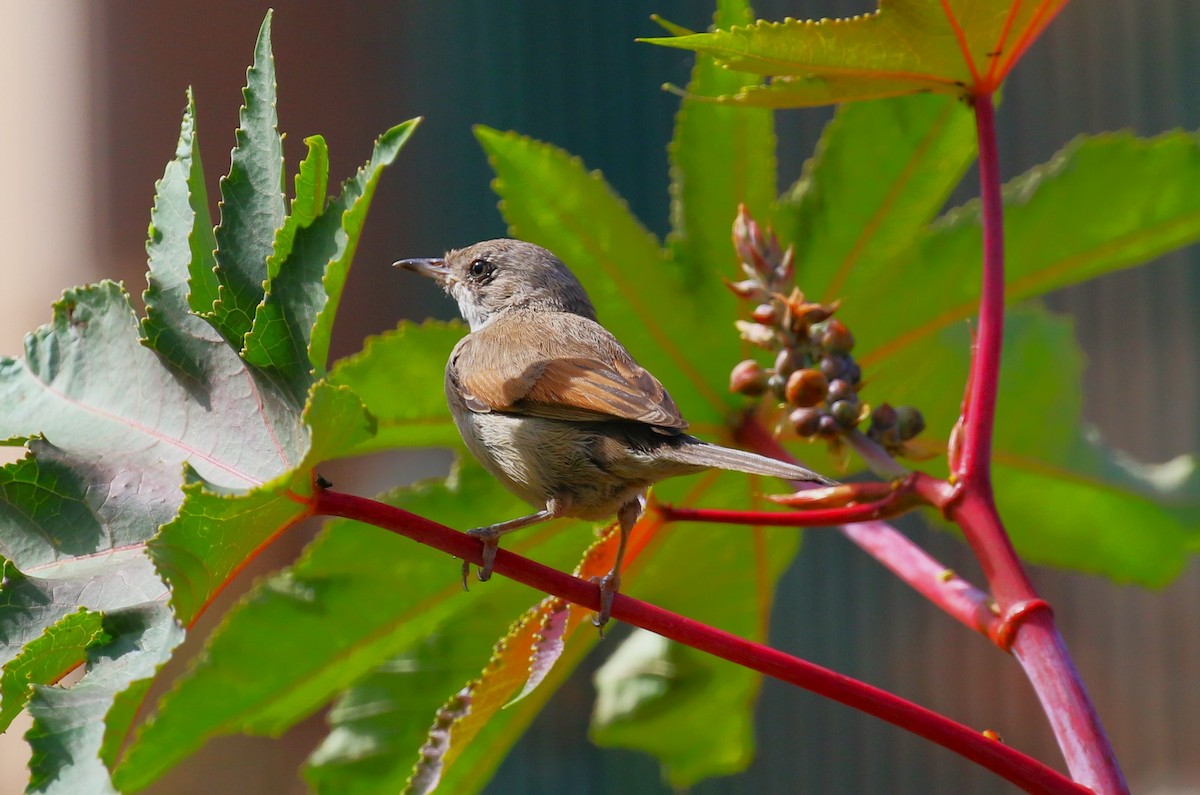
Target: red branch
x=815, y=517
x=1027, y=624
x=1012, y=765
x=933, y=580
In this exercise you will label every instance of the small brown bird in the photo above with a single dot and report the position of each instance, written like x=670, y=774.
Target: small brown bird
x=554, y=407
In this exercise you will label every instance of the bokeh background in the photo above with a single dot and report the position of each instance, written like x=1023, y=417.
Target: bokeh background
x=90, y=98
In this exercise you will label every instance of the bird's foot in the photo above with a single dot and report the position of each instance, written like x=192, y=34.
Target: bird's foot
x=609, y=585
x=491, y=542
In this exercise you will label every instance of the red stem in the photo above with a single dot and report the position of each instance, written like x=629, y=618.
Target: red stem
x=976, y=452
x=933, y=580
x=815, y=517
x=1012, y=765
x=1027, y=624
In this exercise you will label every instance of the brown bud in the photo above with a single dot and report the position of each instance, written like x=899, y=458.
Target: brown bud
x=786, y=268
x=806, y=388
x=837, y=338
x=748, y=378
x=909, y=422
x=765, y=314
x=805, y=420
x=884, y=416
x=762, y=336
x=748, y=289
x=841, y=389
x=846, y=412
x=786, y=362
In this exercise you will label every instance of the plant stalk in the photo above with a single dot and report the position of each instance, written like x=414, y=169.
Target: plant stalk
x=1023, y=771
x=1029, y=627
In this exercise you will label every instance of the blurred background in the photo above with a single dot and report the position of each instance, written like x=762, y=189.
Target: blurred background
x=90, y=99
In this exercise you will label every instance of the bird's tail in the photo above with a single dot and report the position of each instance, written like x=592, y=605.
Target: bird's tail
x=690, y=450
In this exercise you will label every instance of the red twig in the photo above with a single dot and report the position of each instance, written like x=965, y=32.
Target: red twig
x=933, y=580
x=1012, y=765
x=815, y=517
x=1027, y=625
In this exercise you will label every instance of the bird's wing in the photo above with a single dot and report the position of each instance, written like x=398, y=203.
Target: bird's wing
x=559, y=366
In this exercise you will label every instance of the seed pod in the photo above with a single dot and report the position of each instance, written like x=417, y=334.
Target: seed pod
x=828, y=427
x=853, y=372
x=836, y=338
x=845, y=412
x=806, y=388
x=748, y=378
x=841, y=389
x=909, y=422
x=786, y=362
x=833, y=365
x=776, y=384
x=805, y=420
x=884, y=416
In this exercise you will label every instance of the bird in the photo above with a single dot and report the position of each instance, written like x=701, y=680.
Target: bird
x=555, y=407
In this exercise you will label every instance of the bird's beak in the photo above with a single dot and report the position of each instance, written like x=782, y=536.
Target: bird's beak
x=433, y=268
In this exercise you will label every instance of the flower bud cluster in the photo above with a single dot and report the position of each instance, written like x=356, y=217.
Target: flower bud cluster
x=814, y=374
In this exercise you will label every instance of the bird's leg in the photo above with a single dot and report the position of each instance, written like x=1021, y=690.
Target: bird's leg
x=490, y=536
x=627, y=516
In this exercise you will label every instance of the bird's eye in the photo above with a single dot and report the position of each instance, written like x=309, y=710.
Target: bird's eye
x=481, y=268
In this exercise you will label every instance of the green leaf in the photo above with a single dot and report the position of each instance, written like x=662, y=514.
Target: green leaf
x=308, y=626
x=179, y=224
x=398, y=375
x=700, y=722
x=907, y=46
x=76, y=731
x=720, y=158
x=252, y=200
x=549, y=198
x=881, y=172
x=312, y=181
x=379, y=724
x=1155, y=211
x=1094, y=511
x=217, y=530
x=294, y=323
x=46, y=658
x=676, y=703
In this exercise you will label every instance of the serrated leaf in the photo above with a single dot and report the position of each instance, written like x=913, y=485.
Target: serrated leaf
x=179, y=223
x=720, y=158
x=218, y=530
x=308, y=627
x=294, y=323
x=549, y=198
x=252, y=200
x=881, y=172
x=114, y=421
x=1092, y=513
x=1155, y=211
x=907, y=46
x=724, y=576
x=57, y=650
x=655, y=695
x=76, y=730
x=118, y=423
x=398, y=375
x=312, y=183
x=532, y=649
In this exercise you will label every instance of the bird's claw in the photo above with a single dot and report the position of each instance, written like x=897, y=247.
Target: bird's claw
x=609, y=585
x=491, y=542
